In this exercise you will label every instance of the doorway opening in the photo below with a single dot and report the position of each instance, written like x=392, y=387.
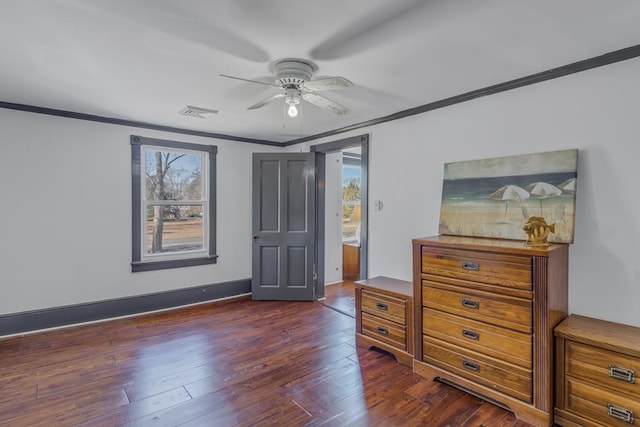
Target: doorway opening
x=350, y=212
x=342, y=217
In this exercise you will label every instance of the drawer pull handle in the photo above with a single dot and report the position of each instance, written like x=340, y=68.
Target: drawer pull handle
x=622, y=374
x=470, y=334
x=382, y=330
x=471, y=366
x=619, y=413
x=467, y=303
x=472, y=266
x=381, y=306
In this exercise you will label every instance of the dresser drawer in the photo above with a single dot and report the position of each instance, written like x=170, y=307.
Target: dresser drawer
x=385, y=331
x=510, y=271
x=603, y=367
x=505, y=344
x=491, y=372
x=601, y=404
x=384, y=306
x=508, y=312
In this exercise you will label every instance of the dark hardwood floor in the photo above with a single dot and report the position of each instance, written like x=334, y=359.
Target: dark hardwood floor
x=244, y=363
x=341, y=297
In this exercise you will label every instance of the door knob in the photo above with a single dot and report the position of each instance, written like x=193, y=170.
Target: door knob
x=255, y=237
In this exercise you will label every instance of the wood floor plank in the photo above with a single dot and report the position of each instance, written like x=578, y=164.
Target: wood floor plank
x=254, y=411
x=245, y=363
x=491, y=415
x=341, y=297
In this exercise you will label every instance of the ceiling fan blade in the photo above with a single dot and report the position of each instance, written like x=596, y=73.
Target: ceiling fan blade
x=249, y=80
x=266, y=101
x=330, y=83
x=325, y=104
x=377, y=27
x=183, y=22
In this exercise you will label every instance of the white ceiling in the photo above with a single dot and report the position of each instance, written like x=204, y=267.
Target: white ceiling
x=143, y=60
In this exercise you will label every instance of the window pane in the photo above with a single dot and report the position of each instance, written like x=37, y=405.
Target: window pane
x=174, y=229
x=351, y=223
x=173, y=175
x=351, y=210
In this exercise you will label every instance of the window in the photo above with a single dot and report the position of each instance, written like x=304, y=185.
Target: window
x=173, y=191
x=351, y=193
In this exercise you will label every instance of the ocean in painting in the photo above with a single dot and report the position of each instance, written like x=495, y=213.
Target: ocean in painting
x=468, y=208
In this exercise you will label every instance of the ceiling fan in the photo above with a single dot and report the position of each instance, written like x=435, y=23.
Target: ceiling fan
x=293, y=77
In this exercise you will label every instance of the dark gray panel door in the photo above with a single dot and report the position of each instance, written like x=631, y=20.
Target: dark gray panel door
x=284, y=208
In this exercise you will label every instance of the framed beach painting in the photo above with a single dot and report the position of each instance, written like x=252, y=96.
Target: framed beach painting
x=496, y=197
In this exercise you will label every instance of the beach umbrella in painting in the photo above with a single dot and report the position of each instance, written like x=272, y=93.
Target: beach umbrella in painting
x=543, y=190
x=569, y=186
x=509, y=193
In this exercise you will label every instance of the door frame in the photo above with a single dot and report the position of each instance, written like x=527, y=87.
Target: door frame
x=361, y=141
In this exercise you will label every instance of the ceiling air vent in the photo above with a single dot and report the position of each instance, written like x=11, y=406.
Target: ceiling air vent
x=191, y=111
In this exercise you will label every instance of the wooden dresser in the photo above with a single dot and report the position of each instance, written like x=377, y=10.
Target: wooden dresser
x=384, y=316
x=597, y=364
x=486, y=309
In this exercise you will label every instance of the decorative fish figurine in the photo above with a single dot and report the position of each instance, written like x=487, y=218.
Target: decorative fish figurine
x=537, y=231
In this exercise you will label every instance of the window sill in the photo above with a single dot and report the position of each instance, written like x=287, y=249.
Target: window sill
x=174, y=263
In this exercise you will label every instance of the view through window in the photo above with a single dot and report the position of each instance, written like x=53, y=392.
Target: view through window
x=173, y=201
x=351, y=189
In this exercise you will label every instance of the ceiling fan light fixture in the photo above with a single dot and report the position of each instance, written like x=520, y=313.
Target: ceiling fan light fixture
x=292, y=111
x=293, y=78
x=292, y=99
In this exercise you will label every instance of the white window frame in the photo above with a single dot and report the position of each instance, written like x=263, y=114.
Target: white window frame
x=141, y=261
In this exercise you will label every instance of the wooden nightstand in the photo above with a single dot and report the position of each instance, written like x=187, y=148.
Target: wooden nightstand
x=384, y=316
x=596, y=367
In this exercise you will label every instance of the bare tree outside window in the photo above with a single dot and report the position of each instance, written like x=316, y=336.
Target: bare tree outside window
x=177, y=177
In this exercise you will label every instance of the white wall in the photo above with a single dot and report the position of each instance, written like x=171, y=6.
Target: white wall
x=66, y=193
x=333, y=218
x=595, y=111
x=66, y=213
